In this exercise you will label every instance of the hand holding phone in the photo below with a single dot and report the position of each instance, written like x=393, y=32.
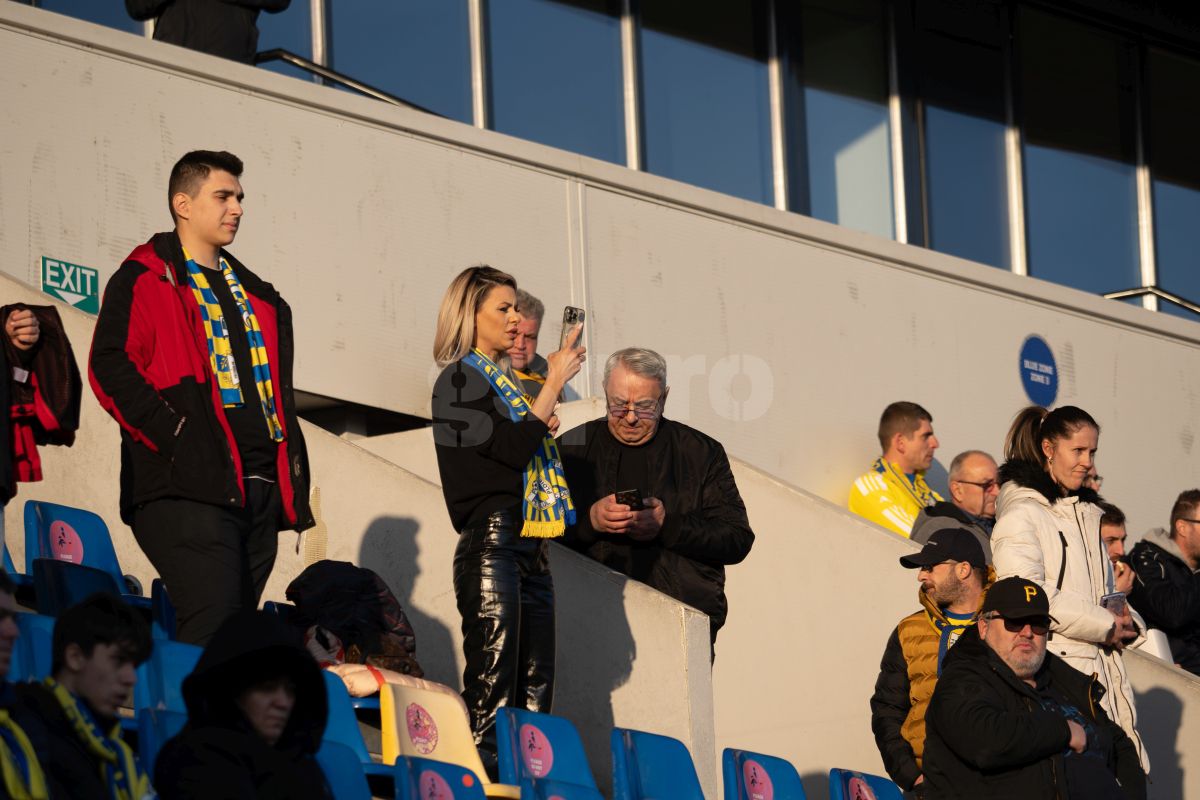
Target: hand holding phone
x=631, y=498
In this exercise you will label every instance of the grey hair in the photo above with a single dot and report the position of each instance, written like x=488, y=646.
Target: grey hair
x=530, y=307
x=640, y=361
x=956, y=465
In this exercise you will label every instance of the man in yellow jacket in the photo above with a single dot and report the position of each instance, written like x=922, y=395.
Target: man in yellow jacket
x=893, y=491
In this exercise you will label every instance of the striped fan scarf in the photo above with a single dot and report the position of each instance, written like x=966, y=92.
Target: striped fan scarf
x=220, y=353
x=118, y=767
x=547, y=506
x=22, y=775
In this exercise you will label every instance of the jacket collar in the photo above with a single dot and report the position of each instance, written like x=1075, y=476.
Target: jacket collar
x=1161, y=538
x=168, y=248
x=1032, y=476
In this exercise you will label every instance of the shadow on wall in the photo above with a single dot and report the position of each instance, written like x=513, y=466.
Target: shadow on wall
x=595, y=654
x=389, y=548
x=816, y=785
x=1159, y=715
x=938, y=479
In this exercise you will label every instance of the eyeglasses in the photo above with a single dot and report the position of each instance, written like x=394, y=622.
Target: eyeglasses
x=985, y=485
x=1193, y=521
x=932, y=567
x=647, y=409
x=1039, y=628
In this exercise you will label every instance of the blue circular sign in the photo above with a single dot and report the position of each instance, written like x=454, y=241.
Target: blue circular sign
x=1039, y=372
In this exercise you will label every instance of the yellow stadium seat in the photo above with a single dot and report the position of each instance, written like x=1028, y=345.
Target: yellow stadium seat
x=432, y=723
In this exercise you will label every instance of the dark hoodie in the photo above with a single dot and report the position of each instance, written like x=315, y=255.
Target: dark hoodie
x=218, y=754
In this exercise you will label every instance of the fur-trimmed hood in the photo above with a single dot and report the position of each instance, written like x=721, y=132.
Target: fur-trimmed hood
x=1029, y=475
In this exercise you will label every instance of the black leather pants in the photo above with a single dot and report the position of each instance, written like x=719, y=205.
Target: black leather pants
x=506, y=598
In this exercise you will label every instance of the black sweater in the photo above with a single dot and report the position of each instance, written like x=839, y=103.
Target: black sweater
x=482, y=454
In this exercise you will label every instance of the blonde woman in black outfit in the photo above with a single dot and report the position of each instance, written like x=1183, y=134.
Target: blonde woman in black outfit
x=505, y=493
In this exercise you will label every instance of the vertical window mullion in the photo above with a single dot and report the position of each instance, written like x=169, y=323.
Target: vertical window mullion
x=1014, y=168
x=775, y=93
x=479, y=94
x=1145, y=194
x=629, y=78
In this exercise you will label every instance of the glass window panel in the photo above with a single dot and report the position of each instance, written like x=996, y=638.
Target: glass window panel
x=1173, y=94
x=290, y=30
x=418, y=50
x=960, y=65
x=705, y=111
x=1078, y=120
x=555, y=74
x=102, y=12
x=836, y=98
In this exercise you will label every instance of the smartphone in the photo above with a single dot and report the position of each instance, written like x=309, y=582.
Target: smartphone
x=633, y=499
x=572, y=316
x=1114, y=602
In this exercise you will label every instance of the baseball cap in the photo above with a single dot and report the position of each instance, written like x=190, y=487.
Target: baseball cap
x=1016, y=598
x=948, y=544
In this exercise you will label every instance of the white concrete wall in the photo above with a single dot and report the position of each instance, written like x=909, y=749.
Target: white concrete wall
x=786, y=335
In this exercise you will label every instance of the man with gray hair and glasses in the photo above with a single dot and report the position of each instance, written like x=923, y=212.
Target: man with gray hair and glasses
x=656, y=499
x=973, y=480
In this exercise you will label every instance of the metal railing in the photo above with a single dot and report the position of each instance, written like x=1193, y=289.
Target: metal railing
x=288, y=57
x=1142, y=291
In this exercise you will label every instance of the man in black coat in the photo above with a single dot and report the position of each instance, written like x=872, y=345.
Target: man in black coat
x=685, y=520
x=1166, y=588
x=1008, y=719
x=226, y=28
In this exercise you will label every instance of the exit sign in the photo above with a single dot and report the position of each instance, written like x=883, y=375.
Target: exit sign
x=71, y=283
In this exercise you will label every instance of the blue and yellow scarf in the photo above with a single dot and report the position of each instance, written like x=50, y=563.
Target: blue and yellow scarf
x=118, y=768
x=220, y=353
x=547, y=506
x=20, y=771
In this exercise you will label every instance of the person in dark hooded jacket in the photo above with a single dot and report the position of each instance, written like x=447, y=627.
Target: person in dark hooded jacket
x=256, y=713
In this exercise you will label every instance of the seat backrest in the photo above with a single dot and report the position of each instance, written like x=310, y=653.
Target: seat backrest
x=69, y=534
x=155, y=727
x=647, y=765
x=343, y=771
x=426, y=779
x=32, y=654
x=428, y=724
x=755, y=776
x=162, y=611
x=61, y=584
x=540, y=746
x=160, y=679
x=341, y=726
x=9, y=566
x=847, y=784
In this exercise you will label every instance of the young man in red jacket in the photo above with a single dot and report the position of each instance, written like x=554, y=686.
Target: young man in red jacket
x=192, y=355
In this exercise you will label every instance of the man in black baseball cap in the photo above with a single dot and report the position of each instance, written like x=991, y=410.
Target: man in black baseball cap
x=1009, y=719
x=953, y=574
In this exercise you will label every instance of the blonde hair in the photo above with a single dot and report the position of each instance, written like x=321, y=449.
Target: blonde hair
x=455, y=334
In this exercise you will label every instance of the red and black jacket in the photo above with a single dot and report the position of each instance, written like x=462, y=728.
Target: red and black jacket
x=150, y=369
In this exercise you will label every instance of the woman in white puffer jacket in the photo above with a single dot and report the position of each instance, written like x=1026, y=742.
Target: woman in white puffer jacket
x=1048, y=531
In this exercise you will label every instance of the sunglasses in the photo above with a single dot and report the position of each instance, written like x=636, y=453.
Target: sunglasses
x=1039, y=627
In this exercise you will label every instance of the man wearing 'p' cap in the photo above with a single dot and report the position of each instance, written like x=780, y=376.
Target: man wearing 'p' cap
x=1008, y=719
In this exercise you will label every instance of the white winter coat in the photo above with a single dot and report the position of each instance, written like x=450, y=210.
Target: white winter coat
x=1057, y=545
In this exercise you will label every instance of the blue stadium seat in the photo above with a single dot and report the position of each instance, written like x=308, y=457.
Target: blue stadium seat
x=162, y=611
x=281, y=610
x=343, y=771
x=20, y=579
x=847, y=784
x=536, y=749
x=31, y=654
x=751, y=776
x=160, y=678
x=155, y=726
x=421, y=778
x=342, y=724
x=76, y=536
x=61, y=584
x=647, y=765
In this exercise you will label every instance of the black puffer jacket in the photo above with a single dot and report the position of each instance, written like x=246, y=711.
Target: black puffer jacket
x=220, y=27
x=1166, y=592
x=218, y=754
x=706, y=526
x=988, y=736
